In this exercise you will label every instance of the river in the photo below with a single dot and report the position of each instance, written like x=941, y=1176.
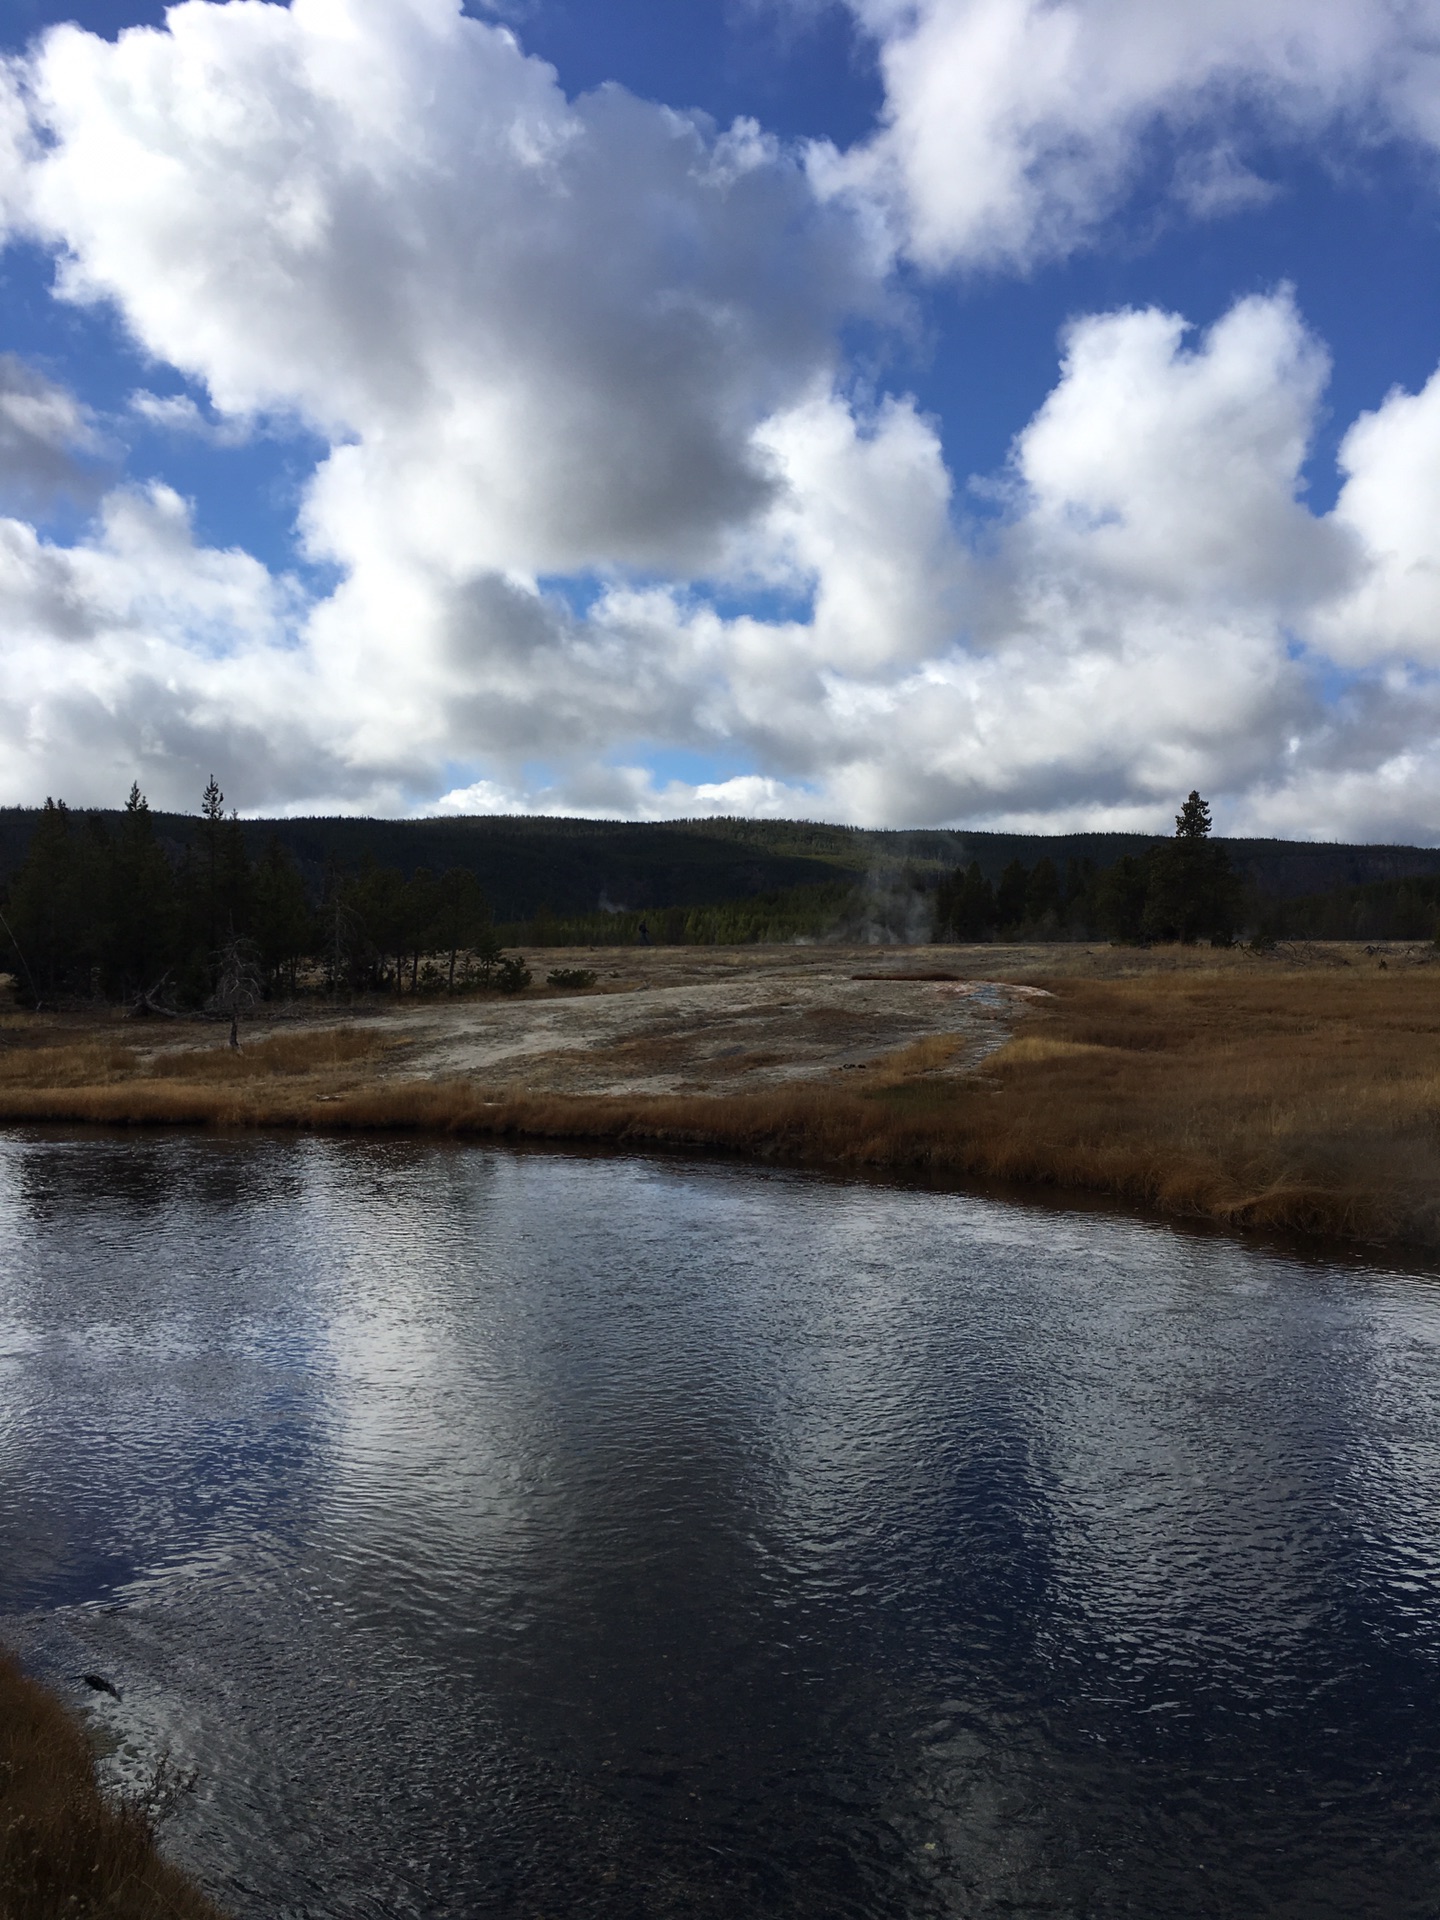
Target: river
x=507, y=1533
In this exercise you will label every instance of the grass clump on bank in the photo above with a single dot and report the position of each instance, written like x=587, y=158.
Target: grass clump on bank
x=1306, y=1100
x=65, y=1847
x=49, y=1070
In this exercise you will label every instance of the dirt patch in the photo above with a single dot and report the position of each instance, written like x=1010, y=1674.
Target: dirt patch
x=775, y=1018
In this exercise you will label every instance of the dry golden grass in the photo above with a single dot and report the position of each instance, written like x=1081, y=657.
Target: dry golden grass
x=934, y=1054
x=82, y=1064
x=1306, y=1099
x=280, y=1056
x=64, y=1847
x=92, y=1065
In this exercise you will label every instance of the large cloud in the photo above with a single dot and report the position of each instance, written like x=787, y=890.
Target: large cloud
x=1013, y=127
x=1391, y=503
x=1125, y=629
x=544, y=331
x=137, y=653
x=1175, y=472
x=597, y=340
x=1133, y=621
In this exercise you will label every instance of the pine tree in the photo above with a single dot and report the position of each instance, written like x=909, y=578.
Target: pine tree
x=1042, y=892
x=236, y=880
x=462, y=917
x=282, y=924
x=1010, y=896
x=140, y=949
x=419, y=908
x=1193, y=820
x=975, y=919
x=1120, y=898
x=212, y=812
x=1192, y=892
x=1078, y=905
x=221, y=881
x=54, y=926
x=375, y=899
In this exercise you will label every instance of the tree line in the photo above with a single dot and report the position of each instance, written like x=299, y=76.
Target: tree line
x=1397, y=909
x=805, y=912
x=1181, y=889
x=109, y=913
x=102, y=907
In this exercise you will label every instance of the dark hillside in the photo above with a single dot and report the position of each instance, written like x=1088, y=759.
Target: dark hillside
x=524, y=865
x=529, y=865
x=1280, y=869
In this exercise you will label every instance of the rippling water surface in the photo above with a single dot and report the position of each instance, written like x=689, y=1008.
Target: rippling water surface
x=509, y=1534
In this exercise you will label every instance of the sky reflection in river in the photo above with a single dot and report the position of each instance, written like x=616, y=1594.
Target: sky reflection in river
x=523, y=1534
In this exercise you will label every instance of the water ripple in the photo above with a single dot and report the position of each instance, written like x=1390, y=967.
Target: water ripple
x=505, y=1533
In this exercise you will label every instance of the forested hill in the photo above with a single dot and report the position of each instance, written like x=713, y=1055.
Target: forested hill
x=528, y=865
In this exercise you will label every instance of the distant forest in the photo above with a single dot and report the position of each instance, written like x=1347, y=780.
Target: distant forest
x=170, y=910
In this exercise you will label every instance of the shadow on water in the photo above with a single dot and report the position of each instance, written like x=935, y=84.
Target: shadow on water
x=148, y=1183
x=512, y=1531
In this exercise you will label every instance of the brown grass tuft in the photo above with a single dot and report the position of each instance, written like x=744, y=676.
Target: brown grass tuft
x=126, y=1066
x=65, y=1848
x=279, y=1056
x=83, y=1064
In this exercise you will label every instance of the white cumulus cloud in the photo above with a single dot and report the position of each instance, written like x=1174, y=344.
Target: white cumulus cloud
x=1174, y=470
x=1012, y=128
x=138, y=652
x=540, y=332
x=597, y=477
x=1391, y=503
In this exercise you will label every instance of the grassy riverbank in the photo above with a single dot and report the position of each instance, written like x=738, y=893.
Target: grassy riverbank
x=65, y=1848
x=1239, y=1090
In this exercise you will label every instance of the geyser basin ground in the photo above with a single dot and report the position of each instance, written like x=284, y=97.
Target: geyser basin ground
x=1296, y=1089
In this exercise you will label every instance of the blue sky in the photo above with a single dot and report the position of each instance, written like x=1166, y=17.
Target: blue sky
x=992, y=412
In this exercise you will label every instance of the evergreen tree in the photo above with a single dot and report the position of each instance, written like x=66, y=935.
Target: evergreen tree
x=1192, y=893
x=237, y=880
x=419, y=908
x=1120, y=897
x=1078, y=903
x=1193, y=820
x=54, y=927
x=282, y=924
x=965, y=905
x=462, y=917
x=1010, y=896
x=212, y=813
x=220, y=879
x=376, y=899
x=338, y=932
x=216, y=895
x=1042, y=893
x=139, y=948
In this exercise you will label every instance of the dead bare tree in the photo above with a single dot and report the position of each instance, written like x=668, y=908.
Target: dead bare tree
x=20, y=955
x=148, y=1001
x=237, y=984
